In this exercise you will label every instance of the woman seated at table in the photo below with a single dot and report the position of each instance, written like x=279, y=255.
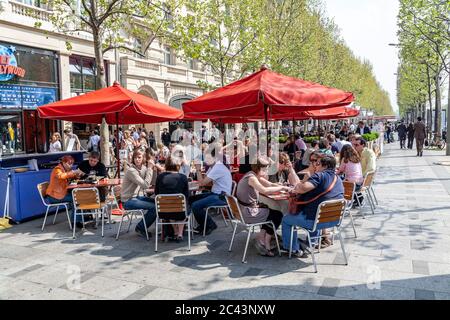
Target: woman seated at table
x=285, y=171
x=179, y=154
x=59, y=181
x=162, y=153
x=173, y=182
x=309, y=171
x=350, y=166
x=138, y=178
x=248, y=190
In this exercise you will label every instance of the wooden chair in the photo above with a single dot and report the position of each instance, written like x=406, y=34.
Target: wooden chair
x=87, y=201
x=42, y=189
x=329, y=215
x=222, y=209
x=349, y=195
x=129, y=214
x=238, y=219
x=172, y=207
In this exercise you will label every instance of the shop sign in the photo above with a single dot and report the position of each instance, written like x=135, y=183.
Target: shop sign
x=8, y=64
x=26, y=97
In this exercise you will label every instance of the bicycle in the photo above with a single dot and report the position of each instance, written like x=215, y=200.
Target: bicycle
x=437, y=142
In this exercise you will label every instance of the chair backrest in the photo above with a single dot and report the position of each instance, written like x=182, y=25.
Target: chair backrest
x=368, y=179
x=171, y=206
x=42, y=189
x=233, y=188
x=115, y=196
x=86, y=198
x=349, y=190
x=235, y=210
x=330, y=212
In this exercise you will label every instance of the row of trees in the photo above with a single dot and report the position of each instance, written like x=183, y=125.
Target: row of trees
x=231, y=38
x=424, y=35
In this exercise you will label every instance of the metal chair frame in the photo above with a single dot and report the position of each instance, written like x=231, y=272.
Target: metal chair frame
x=317, y=220
x=235, y=210
x=349, y=195
x=159, y=207
x=130, y=214
x=42, y=187
x=96, y=208
x=221, y=209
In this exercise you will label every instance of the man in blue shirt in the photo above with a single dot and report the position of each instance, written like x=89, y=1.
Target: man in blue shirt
x=310, y=188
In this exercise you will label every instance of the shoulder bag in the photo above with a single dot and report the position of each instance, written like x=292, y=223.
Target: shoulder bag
x=295, y=206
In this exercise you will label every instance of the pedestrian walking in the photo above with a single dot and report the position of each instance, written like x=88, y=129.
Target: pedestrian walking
x=402, y=131
x=410, y=135
x=419, y=135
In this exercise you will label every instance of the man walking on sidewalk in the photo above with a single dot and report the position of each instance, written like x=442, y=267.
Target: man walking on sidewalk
x=401, y=129
x=419, y=135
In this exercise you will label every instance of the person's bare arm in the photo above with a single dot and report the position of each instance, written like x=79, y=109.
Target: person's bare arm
x=266, y=183
x=304, y=187
x=254, y=183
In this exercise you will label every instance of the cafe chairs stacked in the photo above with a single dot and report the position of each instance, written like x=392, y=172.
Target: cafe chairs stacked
x=42, y=189
x=329, y=215
x=238, y=219
x=349, y=195
x=113, y=202
x=171, y=209
x=86, y=201
x=222, y=209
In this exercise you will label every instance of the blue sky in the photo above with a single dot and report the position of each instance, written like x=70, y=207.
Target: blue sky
x=368, y=26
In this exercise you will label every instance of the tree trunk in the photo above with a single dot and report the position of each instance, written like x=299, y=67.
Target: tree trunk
x=101, y=78
x=430, y=100
x=437, y=115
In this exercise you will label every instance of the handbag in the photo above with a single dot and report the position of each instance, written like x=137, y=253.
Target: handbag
x=295, y=206
x=426, y=143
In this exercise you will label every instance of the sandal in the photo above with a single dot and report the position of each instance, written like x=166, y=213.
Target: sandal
x=261, y=248
x=325, y=243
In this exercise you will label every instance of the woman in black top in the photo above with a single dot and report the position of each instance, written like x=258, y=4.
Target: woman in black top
x=172, y=182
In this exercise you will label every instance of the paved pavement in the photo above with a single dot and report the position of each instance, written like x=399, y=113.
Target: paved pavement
x=402, y=252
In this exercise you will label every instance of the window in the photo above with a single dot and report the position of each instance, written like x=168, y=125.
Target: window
x=193, y=64
x=137, y=46
x=168, y=16
x=83, y=76
x=36, y=3
x=40, y=65
x=10, y=133
x=169, y=57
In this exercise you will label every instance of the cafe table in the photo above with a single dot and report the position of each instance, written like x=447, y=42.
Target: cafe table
x=278, y=201
x=101, y=183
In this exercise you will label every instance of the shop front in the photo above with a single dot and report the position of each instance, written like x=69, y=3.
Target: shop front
x=28, y=79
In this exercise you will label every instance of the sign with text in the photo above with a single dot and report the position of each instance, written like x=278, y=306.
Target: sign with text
x=8, y=64
x=26, y=97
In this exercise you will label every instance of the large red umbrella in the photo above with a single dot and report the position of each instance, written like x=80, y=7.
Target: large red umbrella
x=115, y=104
x=265, y=95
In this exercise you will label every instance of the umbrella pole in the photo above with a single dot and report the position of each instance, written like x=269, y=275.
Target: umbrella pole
x=117, y=145
x=266, y=118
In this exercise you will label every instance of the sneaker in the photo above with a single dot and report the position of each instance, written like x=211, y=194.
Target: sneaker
x=297, y=254
x=209, y=230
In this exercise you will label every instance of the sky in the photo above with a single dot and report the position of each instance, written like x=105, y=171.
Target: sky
x=368, y=26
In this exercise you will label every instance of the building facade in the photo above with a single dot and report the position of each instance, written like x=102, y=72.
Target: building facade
x=55, y=71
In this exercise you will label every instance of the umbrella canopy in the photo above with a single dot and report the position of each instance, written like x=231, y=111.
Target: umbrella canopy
x=117, y=104
x=322, y=114
x=265, y=95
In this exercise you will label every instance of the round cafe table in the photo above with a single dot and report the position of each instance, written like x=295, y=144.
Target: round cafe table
x=100, y=183
x=278, y=202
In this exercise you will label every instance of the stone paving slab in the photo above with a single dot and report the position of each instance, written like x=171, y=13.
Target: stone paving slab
x=401, y=252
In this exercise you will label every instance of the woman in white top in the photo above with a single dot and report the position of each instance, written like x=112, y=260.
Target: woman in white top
x=55, y=143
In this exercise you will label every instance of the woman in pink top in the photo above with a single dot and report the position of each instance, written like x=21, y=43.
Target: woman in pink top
x=351, y=165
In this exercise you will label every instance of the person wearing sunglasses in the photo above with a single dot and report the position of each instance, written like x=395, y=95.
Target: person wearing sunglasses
x=323, y=184
x=368, y=157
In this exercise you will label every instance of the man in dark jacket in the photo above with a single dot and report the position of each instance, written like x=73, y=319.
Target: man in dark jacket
x=420, y=135
x=165, y=137
x=362, y=128
x=401, y=129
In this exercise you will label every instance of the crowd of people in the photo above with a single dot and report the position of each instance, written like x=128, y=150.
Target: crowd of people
x=303, y=169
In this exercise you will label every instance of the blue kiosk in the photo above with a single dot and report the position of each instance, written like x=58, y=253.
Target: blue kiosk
x=24, y=200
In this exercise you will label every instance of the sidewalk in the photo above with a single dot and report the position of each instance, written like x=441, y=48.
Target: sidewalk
x=402, y=252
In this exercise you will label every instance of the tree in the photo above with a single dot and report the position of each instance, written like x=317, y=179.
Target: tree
x=220, y=34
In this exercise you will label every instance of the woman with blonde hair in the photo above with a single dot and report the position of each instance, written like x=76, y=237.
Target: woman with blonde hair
x=55, y=143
